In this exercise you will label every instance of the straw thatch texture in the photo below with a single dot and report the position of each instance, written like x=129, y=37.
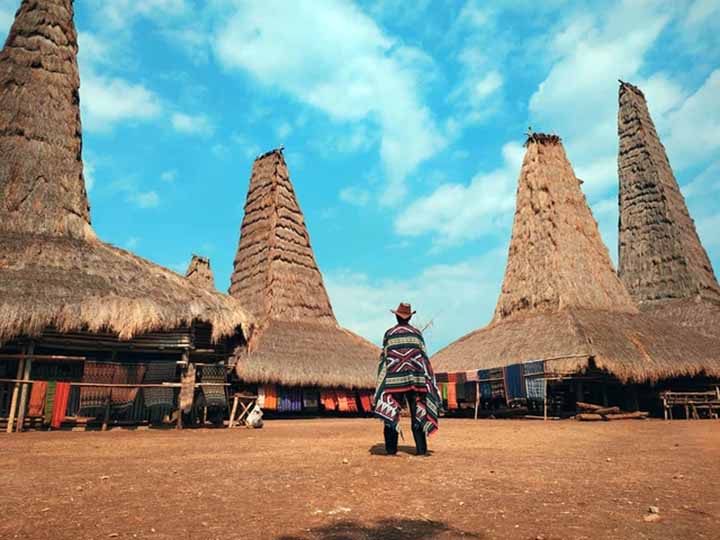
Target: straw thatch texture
x=74, y=284
x=309, y=354
x=42, y=189
x=298, y=340
x=556, y=259
x=630, y=346
x=275, y=270
x=660, y=254
x=699, y=314
x=199, y=273
x=561, y=299
x=53, y=270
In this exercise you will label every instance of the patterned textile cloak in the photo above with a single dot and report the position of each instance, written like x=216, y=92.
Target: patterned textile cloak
x=405, y=367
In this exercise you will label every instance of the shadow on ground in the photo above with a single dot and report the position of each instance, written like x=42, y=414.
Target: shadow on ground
x=379, y=450
x=386, y=529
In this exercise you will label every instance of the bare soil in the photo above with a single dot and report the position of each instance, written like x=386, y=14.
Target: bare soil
x=328, y=479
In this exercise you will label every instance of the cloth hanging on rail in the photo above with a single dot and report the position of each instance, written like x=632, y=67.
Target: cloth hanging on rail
x=123, y=398
x=514, y=383
x=37, y=398
x=158, y=373
x=310, y=399
x=534, y=381
x=94, y=398
x=49, y=402
x=60, y=402
x=214, y=395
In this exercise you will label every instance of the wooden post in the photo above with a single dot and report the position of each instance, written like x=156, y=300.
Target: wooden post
x=107, y=415
x=16, y=390
x=477, y=399
x=545, y=399
x=186, y=361
x=665, y=407
x=24, y=389
x=233, y=411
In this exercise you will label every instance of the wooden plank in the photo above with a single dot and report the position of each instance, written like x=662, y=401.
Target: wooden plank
x=15, y=392
x=44, y=357
x=25, y=388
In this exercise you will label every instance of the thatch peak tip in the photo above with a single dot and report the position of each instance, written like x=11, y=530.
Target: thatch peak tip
x=275, y=151
x=625, y=86
x=200, y=258
x=542, y=138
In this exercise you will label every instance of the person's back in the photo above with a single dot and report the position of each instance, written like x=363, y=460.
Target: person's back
x=405, y=374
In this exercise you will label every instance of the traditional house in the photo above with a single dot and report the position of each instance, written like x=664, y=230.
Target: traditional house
x=74, y=309
x=563, y=305
x=297, y=342
x=661, y=260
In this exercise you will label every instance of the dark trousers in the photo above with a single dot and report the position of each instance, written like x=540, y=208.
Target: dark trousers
x=391, y=434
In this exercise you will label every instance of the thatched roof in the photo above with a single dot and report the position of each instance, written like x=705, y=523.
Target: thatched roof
x=54, y=272
x=200, y=273
x=298, y=340
x=295, y=353
x=561, y=299
x=556, y=259
x=661, y=260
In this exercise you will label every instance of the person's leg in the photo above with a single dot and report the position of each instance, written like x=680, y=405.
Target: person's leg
x=391, y=439
x=418, y=433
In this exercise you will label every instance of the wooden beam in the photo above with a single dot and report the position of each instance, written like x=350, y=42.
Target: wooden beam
x=477, y=399
x=44, y=357
x=15, y=392
x=25, y=388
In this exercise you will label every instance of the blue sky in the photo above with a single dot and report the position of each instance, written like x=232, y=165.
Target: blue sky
x=402, y=128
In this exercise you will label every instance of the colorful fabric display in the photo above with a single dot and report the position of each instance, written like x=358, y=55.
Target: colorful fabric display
x=261, y=397
x=471, y=375
x=470, y=391
x=96, y=397
x=486, y=390
x=452, y=391
x=123, y=398
x=534, y=383
x=310, y=399
x=296, y=399
x=342, y=401
x=352, y=402
x=283, y=400
x=158, y=373
x=329, y=400
x=214, y=395
x=514, y=387
x=271, y=397
x=366, y=400
x=37, y=398
x=49, y=402
x=441, y=377
x=60, y=402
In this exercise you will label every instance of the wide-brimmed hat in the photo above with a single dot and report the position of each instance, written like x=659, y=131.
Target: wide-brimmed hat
x=403, y=311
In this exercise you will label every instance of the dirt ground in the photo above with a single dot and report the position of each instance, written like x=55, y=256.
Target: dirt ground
x=329, y=479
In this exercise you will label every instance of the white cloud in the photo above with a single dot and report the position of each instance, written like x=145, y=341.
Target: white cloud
x=89, y=174
x=457, y=298
x=144, y=199
x=192, y=124
x=106, y=100
x=694, y=127
x=578, y=99
x=220, y=151
x=283, y=130
x=120, y=14
x=454, y=213
x=332, y=56
x=168, y=176
x=606, y=214
x=355, y=196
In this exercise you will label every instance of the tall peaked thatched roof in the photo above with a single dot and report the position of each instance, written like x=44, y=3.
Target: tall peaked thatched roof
x=54, y=272
x=200, y=273
x=298, y=341
x=42, y=189
x=561, y=299
x=661, y=260
x=661, y=256
x=557, y=259
x=275, y=270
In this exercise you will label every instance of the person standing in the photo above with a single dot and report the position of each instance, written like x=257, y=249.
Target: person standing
x=405, y=374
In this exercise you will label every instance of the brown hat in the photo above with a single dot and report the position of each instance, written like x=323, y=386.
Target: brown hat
x=404, y=311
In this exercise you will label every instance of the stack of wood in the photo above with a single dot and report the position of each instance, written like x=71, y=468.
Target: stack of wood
x=592, y=413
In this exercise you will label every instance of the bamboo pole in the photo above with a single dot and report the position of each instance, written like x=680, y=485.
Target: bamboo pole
x=185, y=360
x=25, y=388
x=106, y=417
x=477, y=399
x=16, y=390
